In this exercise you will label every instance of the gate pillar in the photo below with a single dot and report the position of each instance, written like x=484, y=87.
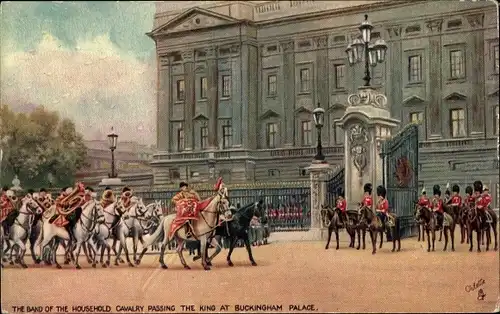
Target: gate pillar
x=318, y=173
x=367, y=123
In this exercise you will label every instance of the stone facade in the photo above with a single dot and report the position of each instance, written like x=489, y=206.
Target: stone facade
x=237, y=83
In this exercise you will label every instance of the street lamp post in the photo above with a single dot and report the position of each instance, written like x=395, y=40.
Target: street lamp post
x=361, y=49
x=319, y=115
x=112, y=138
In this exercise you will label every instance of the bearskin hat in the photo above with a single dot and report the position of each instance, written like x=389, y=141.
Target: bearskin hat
x=436, y=190
x=183, y=184
x=43, y=190
x=125, y=189
x=455, y=188
x=468, y=190
x=381, y=191
x=107, y=188
x=30, y=191
x=341, y=193
x=368, y=188
x=5, y=188
x=478, y=186
x=88, y=188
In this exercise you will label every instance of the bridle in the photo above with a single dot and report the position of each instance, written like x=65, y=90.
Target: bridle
x=33, y=208
x=93, y=220
x=221, y=207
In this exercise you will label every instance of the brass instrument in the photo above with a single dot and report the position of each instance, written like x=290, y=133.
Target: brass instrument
x=70, y=201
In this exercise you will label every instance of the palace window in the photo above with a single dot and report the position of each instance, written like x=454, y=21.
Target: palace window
x=417, y=117
x=306, y=133
x=272, y=133
x=415, y=69
x=204, y=137
x=339, y=76
x=457, y=64
x=227, y=135
x=203, y=88
x=305, y=81
x=495, y=60
x=180, y=90
x=226, y=86
x=457, y=118
x=273, y=172
x=271, y=85
x=180, y=139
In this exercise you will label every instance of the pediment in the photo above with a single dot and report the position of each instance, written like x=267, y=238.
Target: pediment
x=414, y=99
x=337, y=106
x=493, y=94
x=269, y=114
x=303, y=109
x=192, y=19
x=455, y=96
x=200, y=117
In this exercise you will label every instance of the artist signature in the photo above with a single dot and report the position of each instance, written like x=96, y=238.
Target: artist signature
x=475, y=285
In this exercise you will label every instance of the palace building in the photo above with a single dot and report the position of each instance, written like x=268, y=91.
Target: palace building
x=238, y=81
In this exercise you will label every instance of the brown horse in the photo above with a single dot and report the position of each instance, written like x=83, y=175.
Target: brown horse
x=429, y=220
x=462, y=221
x=331, y=220
x=375, y=227
x=420, y=224
x=492, y=224
x=474, y=224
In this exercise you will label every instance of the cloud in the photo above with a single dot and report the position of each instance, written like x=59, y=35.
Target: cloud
x=95, y=83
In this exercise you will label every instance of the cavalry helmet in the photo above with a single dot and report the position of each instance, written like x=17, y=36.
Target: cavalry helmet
x=381, y=191
x=423, y=191
x=478, y=186
x=125, y=189
x=368, y=188
x=468, y=189
x=436, y=190
x=455, y=188
x=485, y=188
x=183, y=184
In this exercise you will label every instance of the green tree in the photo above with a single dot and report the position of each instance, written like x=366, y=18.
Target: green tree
x=37, y=144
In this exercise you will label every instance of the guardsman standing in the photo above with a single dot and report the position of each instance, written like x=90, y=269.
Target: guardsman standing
x=367, y=196
x=423, y=201
x=437, y=205
x=342, y=206
x=382, y=208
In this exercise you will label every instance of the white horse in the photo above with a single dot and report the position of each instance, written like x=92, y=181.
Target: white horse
x=133, y=224
x=84, y=229
x=20, y=229
x=203, y=228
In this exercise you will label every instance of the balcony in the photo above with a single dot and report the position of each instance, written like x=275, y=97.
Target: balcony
x=459, y=144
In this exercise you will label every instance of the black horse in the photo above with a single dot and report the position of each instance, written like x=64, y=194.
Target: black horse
x=234, y=229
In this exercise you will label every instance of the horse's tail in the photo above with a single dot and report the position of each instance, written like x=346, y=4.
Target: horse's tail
x=157, y=235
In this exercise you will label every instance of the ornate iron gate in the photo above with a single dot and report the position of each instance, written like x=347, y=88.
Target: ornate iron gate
x=400, y=157
x=335, y=185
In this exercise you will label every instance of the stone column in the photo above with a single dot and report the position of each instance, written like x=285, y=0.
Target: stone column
x=163, y=105
x=213, y=96
x=475, y=51
x=189, y=101
x=287, y=49
x=395, y=66
x=435, y=78
x=318, y=173
x=367, y=112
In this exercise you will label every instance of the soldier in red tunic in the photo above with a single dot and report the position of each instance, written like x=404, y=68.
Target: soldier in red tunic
x=6, y=204
x=478, y=190
x=423, y=201
x=382, y=208
x=456, y=199
x=469, y=197
x=486, y=198
x=437, y=205
x=342, y=206
x=367, y=196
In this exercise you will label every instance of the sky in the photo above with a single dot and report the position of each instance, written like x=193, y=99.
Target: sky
x=90, y=61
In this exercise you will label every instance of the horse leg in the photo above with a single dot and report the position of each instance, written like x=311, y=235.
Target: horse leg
x=123, y=245
x=381, y=238
x=249, y=250
x=433, y=233
x=86, y=251
x=423, y=232
x=373, y=236
x=117, y=252
x=180, y=248
x=337, y=237
x=479, y=238
x=54, y=253
x=203, y=252
x=488, y=238
x=440, y=234
x=330, y=229
x=77, y=257
x=218, y=248
x=469, y=231
x=445, y=237
x=135, y=239
x=358, y=233
x=462, y=233
x=162, y=254
x=232, y=244
x=452, y=236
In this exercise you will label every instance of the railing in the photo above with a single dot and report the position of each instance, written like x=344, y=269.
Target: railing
x=268, y=7
x=459, y=143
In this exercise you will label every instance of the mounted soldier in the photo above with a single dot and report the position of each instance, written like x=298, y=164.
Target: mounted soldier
x=125, y=200
x=342, y=207
x=68, y=207
x=423, y=201
x=367, y=196
x=8, y=209
x=469, y=197
x=437, y=206
x=447, y=194
x=108, y=197
x=382, y=208
x=89, y=193
x=186, y=202
x=483, y=201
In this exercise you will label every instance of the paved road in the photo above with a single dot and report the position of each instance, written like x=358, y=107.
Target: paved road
x=288, y=273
